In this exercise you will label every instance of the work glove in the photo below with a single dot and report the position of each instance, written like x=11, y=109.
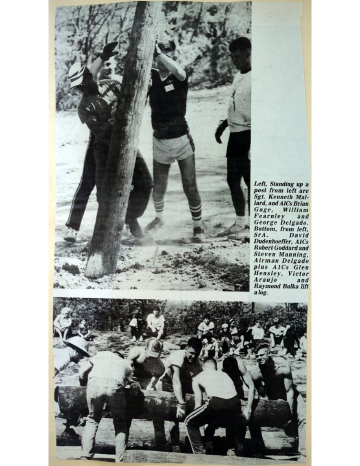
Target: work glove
x=135, y=389
x=220, y=129
x=180, y=411
x=157, y=50
x=108, y=51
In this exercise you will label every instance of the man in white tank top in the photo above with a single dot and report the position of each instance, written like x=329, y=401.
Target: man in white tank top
x=222, y=410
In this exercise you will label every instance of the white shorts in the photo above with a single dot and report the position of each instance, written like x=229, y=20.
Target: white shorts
x=166, y=151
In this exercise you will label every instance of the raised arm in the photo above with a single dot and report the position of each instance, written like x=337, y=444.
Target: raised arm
x=108, y=52
x=170, y=64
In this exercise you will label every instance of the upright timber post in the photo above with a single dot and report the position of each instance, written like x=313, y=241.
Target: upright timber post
x=105, y=243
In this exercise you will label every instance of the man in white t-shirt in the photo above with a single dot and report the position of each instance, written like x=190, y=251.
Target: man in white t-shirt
x=222, y=410
x=205, y=327
x=180, y=369
x=155, y=324
x=258, y=332
x=239, y=123
x=277, y=333
x=106, y=375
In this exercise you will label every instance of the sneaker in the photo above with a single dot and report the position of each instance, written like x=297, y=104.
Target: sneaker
x=199, y=235
x=133, y=338
x=141, y=338
x=231, y=452
x=71, y=235
x=154, y=225
x=135, y=229
x=234, y=229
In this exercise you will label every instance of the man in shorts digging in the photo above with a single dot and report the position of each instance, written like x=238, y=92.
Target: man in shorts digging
x=239, y=123
x=172, y=140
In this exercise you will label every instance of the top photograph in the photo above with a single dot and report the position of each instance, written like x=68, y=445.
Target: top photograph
x=152, y=146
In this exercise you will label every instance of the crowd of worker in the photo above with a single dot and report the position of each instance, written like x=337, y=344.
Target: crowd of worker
x=210, y=363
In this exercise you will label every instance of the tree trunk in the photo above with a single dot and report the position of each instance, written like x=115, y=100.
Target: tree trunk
x=160, y=405
x=105, y=244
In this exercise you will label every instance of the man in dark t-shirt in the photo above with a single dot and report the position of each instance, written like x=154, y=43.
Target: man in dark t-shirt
x=172, y=141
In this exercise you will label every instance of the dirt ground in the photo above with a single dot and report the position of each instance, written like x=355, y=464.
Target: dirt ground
x=279, y=447
x=168, y=260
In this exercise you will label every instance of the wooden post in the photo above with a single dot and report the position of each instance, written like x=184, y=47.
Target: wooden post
x=105, y=243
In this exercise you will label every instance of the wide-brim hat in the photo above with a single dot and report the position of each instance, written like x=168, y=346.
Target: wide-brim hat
x=79, y=344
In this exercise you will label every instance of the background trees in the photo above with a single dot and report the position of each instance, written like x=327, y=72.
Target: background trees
x=182, y=317
x=201, y=31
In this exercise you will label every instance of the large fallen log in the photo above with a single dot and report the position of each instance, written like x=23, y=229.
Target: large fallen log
x=156, y=405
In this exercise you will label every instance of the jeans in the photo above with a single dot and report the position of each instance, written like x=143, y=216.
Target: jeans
x=238, y=166
x=99, y=391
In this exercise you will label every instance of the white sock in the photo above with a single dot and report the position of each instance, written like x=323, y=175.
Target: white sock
x=197, y=223
x=159, y=215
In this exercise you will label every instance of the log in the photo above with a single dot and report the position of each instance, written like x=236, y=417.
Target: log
x=105, y=243
x=160, y=405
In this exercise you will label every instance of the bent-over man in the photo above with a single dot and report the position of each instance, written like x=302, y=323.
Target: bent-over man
x=273, y=381
x=222, y=410
x=180, y=369
x=148, y=368
x=106, y=375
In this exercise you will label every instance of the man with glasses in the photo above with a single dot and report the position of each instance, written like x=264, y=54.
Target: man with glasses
x=239, y=123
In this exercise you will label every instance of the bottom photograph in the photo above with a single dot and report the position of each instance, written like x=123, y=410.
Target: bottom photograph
x=201, y=382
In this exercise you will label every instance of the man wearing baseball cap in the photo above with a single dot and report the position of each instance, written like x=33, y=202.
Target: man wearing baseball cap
x=77, y=349
x=147, y=370
x=172, y=140
x=97, y=110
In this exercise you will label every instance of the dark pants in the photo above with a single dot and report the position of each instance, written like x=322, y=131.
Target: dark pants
x=216, y=413
x=238, y=166
x=93, y=171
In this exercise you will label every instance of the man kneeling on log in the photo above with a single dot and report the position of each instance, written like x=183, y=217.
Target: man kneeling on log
x=106, y=374
x=273, y=381
x=147, y=370
x=222, y=410
x=97, y=109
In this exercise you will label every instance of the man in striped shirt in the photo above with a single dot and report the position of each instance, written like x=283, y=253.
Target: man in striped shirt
x=97, y=110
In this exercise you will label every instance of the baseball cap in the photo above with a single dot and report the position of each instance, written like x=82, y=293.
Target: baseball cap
x=76, y=74
x=78, y=343
x=154, y=347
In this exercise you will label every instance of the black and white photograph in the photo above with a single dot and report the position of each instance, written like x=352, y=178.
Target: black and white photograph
x=153, y=134
x=164, y=381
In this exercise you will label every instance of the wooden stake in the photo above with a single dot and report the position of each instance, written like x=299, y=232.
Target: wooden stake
x=105, y=243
